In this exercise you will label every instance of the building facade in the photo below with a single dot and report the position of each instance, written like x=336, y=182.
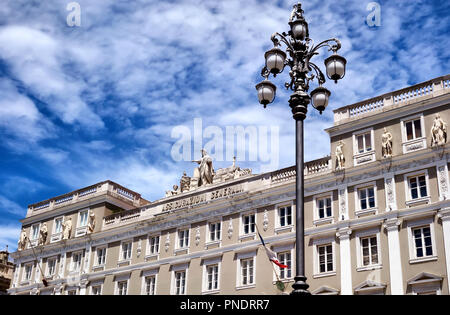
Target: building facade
x=6, y=271
x=377, y=218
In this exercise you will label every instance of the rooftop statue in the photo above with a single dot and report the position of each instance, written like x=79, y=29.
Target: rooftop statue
x=204, y=173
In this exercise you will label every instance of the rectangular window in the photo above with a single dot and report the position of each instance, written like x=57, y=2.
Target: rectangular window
x=97, y=290
x=369, y=249
x=126, y=251
x=247, y=271
x=76, y=261
x=212, y=274
x=150, y=285
x=51, y=267
x=324, y=207
x=101, y=256
x=366, y=198
x=154, y=244
x=285, y=215
x=180, y=282
x=422, y=241
x=183, y=238
x=34, y=232
x=122, y=287
x=325, y=253
x=214, y=231
x=249, y=223
x=72, y=292
x=418, y=186
x=83, y=218
x=58, y=225
x=413, y=129
x=285, y=259
x=28, y=271
x=364, y=142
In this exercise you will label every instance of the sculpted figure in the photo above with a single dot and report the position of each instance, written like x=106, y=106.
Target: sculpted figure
x=204, y=172
x=43, y=234
x=340, y=159
x=185, y=182
x=297, y=12
x=386, y=144
x=22, y=241
x=67, y=228
x=438, y=131
x=91, y=224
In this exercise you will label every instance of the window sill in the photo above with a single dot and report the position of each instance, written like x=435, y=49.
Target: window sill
x=364, y=158
x=284, y=228
x=247, y=237
x=212, y=244
x=56, y=237
x=369, y=268
x=216, y=291
x=422, y=259
x=81, y=231
x=325, y=274
x=418, y=201
x=414, y=145
x=366, y=211
x=98, y=268
x=126, y=262
x=247, y=286
x=25, y=282
x=286, y=280
x=181, y=251
x=152, y=256
x=329, y=220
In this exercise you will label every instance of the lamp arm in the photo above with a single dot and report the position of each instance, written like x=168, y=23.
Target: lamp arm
x=335, y=47
x=320, y=75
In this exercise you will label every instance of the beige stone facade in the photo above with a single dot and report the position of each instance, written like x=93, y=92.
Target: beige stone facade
x=380, y=225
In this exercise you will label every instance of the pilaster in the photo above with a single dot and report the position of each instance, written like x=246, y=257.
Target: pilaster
x=444, y=215
x=443, y=180
x=345, y=260
x=389, y=189
x=395, y=264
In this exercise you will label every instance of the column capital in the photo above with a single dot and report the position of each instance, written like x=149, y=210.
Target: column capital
x=444, y=214
x=344, y=233
x=392, y=224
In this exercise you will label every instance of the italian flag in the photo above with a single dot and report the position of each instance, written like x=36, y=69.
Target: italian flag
x=271, y=255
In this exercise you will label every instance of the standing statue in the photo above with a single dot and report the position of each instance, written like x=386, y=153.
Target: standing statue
x=91, y=224
x=340, y=158
x=204, y=173
x=67, y=228
x=386, y=144
x=438, y=132
x=297, y=12
x=43, y=234
x=21, y=245
x=185, y=182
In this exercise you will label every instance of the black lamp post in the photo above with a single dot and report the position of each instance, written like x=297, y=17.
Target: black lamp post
x=300, y=49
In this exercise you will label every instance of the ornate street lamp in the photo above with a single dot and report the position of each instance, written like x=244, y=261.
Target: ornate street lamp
x=300, y=49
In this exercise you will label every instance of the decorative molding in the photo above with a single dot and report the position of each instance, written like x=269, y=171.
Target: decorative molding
x=230, y=228
x=167, y=243
x=197, y=236
x=265, y=221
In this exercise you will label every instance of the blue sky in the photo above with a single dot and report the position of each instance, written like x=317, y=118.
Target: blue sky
x=79, y=105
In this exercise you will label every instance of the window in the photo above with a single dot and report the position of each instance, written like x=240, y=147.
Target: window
x=285, y=259
x=183, y=238
x=150, y=285
x=364, y=143
x=423, y=241
x=72, y=292
x=58, y=225
x=28, y=271
x=247, y=269
x=180, y=282
x=413, y=129
x=369, y=247
x=212, y=277
x=83, y=217
x=248, y=222
x=214, y=231
x=126, y=250
x=76, y=261
x=325, y=255
x=51, y=266
x=366, y=198
x=417, y=186
x=285, y=216
x=154, y=245
x=324, y=208
x=96, y=290
x=101, y=256
x=34, y=232
x=122, y=287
